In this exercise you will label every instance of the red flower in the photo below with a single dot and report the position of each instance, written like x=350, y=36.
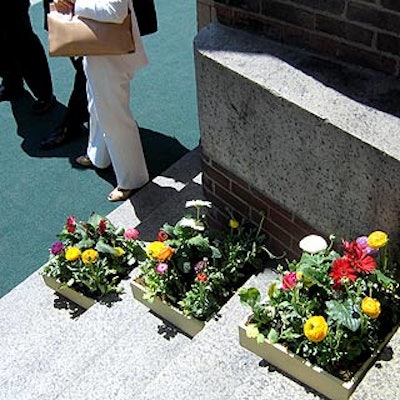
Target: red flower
x=162, y=236
x=102, y=227
x=289, y=281
x=341, y=268
x=71, y=224
x=359, y=260
x=202, y=277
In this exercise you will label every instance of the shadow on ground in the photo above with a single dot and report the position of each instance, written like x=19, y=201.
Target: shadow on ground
x=160, y=150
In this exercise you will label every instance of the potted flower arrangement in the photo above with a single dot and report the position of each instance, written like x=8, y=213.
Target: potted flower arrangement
x=191, y=271
x=327, y=316
x=90, y=259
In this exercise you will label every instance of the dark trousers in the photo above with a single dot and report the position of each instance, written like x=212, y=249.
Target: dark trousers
x=23, y=57
x=77, y=111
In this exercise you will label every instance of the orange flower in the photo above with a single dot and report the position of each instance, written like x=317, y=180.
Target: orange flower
x=202, y=277
x=165, y=254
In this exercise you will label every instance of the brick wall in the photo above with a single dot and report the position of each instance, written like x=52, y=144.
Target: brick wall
x=362, y=32
x=226, y=191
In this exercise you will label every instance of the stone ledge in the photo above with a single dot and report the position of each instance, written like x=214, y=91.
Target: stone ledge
x=321, y=138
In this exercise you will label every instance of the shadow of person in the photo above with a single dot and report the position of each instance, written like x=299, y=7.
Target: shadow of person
x=160, y=150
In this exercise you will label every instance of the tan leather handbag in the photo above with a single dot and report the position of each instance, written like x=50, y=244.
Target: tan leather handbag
x=71, y=35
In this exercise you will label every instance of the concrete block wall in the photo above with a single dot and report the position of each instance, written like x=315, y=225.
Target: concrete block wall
x=205, y=13
x=296, y=137
x=361, y=32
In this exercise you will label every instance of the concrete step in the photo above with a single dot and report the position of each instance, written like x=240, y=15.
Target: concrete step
x=50, y=349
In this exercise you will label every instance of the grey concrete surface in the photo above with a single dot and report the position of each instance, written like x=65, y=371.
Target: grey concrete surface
x=322, y=139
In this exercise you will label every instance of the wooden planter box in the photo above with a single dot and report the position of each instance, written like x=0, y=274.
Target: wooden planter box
x=311, y=375
x=189, y=325
x=71, y=294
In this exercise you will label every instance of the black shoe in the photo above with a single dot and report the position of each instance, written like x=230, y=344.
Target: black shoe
x=56, y=138
x=40, y=107
x=9, y=93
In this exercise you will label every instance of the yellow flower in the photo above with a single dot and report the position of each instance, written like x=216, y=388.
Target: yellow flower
x=120, y=251
x=377, y=239
x=153, y=249
x=371, y=307
x=252, y=331
x=316, y=328
x=233, y=223
x=72, y=254
x=89, y=256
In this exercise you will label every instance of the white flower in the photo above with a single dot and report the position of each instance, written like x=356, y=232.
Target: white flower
x=198, y=203
x=191, y=223
x=313, y=244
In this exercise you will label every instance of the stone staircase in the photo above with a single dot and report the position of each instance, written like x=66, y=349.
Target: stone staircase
x=50, y=349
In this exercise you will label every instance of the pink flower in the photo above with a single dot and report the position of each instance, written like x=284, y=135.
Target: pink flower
x=289, y=281
x=362, y=243
x=57, y=248
x=71, y=224
x=131, y=234
x=162, y=268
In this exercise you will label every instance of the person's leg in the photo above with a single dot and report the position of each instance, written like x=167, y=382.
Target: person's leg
x=110, y=92
x=31, y=60
x=77, y=112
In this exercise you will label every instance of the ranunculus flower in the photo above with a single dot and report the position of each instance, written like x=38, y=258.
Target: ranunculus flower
x=200, y=265
x=313, y=244
x=71, y=224
x=362, y=243
x=120, y=251
x=154, y=248
x=201, y=277
x=371, y=307
x=289, y=281
x=378, y=239
x=162, y=236
x=89, y=256
x=162, y=268
x=252, y=331
x=341, y=268
x=102, y=227
x=165, y=254
x=233, y=223
x=316, y=328
x=131, y=234
x=72, y=254
x=57, y=248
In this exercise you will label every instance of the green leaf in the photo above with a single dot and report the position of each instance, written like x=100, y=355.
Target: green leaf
x=383, y=279
x=103, y=247
x=250, y=296
x=260, y=338
x=273, y=336
x=344, y=313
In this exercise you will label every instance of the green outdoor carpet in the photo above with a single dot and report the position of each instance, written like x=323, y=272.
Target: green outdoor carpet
x=40, y=189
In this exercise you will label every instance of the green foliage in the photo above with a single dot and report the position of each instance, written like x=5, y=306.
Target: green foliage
x=115, y=256
x=333, y=286
x=197, y=269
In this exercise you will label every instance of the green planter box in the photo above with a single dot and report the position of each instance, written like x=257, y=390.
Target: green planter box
x=71, y=294
x=310, y=375
x=189, y=325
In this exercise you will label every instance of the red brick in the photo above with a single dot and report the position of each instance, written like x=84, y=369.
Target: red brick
x=230, y=175
x=216, y=176
x=234, y=202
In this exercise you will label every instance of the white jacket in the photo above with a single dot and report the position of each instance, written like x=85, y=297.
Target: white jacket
x=115, y=11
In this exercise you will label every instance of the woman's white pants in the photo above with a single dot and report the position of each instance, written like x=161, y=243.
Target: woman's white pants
x=114, y=135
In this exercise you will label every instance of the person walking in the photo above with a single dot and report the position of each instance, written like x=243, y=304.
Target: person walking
x=114, y=135
x=23, y=57
x=77, y=114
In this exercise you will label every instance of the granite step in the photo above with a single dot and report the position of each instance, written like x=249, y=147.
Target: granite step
x=216, y=367
x=51, y=349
